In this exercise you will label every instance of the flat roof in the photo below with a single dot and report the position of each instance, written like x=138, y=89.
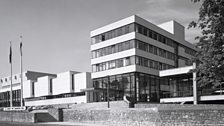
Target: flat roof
x=175, y=71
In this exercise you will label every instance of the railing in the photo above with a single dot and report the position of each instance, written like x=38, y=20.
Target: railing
x=214, y=91
x=201, y=92
x=176, y=94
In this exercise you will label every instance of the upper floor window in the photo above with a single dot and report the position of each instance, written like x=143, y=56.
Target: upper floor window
x=113, y=33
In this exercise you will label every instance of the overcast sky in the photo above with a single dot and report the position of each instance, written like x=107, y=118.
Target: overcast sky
x=56, y=32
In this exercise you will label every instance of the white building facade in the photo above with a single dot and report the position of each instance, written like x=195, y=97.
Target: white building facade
x=128, y=54
x=46, y=89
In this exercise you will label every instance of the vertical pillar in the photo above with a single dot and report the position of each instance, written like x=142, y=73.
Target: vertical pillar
x=195, y=97
x=108, y=92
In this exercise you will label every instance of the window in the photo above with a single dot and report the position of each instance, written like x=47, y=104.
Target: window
x=132, y=60
x=137, y=60
x=160, y=66
x=132, y=44
x=32, y=91
x=127, y=45
x=127, y=61
x=112, y=64
x=126, y=29
x=145, y=31
x=155, y=50
x=145, y=63
x=109, y=50
x=120, y=47
x=97, y=53
x=155, y=65
x=52, y=87
x=119, y=31
x=151, y=64
x=97, y=67
x=160, y=38
x=93, y=40
x=73, y=84
x=107, y=65
x=93, y=54
x=94, y=68
x=120, y=63
x=103, y=37
x=164, y=40
x=155, y=35
x=113, y=49
x=150, y=33
x=113, y=33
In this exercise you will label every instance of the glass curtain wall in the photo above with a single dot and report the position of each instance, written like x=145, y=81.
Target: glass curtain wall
x=179, y=86
x=5, y=98
x=141, y=87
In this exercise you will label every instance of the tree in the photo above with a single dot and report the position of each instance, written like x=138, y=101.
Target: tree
x=210, y=57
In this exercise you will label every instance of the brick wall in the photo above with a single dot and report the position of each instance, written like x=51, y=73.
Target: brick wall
x=147, y=116
x=16, y=116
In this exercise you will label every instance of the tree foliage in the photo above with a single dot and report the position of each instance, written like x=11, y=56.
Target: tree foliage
x=210, y=57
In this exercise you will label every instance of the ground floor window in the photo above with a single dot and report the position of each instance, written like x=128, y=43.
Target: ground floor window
x=176, y=86
x=5, y=98
x=139, y=86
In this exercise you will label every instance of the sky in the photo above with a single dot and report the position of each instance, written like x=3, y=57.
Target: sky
x=56, y=33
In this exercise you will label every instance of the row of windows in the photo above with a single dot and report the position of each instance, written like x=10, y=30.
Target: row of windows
x=133, y=44
x=155, y=50
x=151, y=63
x=187, y=61
x=130, y=61
x=5, y=96
x=142, y=30
x=8, y=79
x=131, y=28
x=142, y=87
x=190, y=51
x=113, y=33
x=113, y=48
x=114, y=64
x=154, y=35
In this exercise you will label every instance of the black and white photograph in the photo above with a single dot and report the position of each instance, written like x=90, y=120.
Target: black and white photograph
x=111, y=62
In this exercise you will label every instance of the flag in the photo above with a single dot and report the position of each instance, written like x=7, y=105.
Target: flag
x=21, y=45
x=10, y=54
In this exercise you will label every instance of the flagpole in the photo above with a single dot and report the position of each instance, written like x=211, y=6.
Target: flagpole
x=11, y=74
x=21, y=70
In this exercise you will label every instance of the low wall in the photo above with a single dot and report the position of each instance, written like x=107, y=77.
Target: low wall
x=56, y=113
x=146, y=116
x=17, y=117
x=101, y=105
x=178, y=106
x=68, y=100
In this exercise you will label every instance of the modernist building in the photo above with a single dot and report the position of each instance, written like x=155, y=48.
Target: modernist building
x=46, y=89
x=127, y=56
x=179, y=88
x=126, y=59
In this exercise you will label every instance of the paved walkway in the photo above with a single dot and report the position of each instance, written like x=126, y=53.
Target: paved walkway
x=47, y=124
x=69, y=124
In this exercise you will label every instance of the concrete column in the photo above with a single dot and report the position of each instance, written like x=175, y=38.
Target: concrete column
x=195, y=97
